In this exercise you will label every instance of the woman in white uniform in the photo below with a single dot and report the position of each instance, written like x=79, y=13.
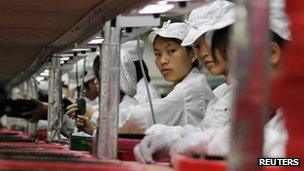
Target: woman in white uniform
x=216, y=141
x=186, y=103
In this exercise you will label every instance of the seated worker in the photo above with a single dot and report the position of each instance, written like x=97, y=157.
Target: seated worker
x=182, y=106
x=186, y=103
x=131, y=85
x=214, y=139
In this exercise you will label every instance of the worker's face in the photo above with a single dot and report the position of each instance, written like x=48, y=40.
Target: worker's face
x=217, y=65
x=173, y=60
x=93, y=89
x=96, y=84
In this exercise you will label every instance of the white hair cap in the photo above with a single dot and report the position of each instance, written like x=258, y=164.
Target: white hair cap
x=128, y=76
x=176, y=30
x=279, y=22
x=65, y=78
x=89, y=72
x=43, y=85
x=211, y=16
x=131, y=48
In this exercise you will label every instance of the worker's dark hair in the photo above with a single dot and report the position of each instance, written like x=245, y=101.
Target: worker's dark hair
x=189, y=48
x=220, y=42
x=138, y=71
x=96, y=65
x=276, y=38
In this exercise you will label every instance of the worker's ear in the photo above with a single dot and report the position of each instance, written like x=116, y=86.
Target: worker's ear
x=275, y=53
x=193, y=55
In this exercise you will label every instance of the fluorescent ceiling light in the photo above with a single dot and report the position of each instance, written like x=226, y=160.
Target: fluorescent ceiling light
x=66, y=55
x=46, y=71
x=96, y=41
x=80, y=49
x=65, y=58
x=177, y=0
x=156, y=8
x=44, y=74
x=162, y=3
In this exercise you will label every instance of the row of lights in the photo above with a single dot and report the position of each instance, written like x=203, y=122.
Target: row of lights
x=157, y=8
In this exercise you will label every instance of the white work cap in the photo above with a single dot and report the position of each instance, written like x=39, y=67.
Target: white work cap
x=131, y=48
x=170, y=30
x=279, y=22
x=65, y=78
x=211, y=16
x=89, y=72
x=43, y=85
x=128, y=76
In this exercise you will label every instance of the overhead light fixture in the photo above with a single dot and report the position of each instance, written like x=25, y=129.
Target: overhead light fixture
x=162, y=3
x=96, y=41
x=80, y=49
x=44, y=74
x=46, y=71
x=61, y=62
x=177, y=0
x=160, y=7
x=65, y=58
x=66, y=55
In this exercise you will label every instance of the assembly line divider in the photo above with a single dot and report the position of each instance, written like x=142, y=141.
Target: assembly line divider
x=105, y=145
x=249, y=70
x=55, y=98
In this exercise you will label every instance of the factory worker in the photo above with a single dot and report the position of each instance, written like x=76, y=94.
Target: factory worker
x=186, y=103
x=130, y=49
x=213, y=140
x=89, y=87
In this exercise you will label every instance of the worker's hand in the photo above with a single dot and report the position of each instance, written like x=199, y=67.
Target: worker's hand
x=196, y=142
x=84, y=123
x=71, y=111
x=39, y=113
x=154, y=147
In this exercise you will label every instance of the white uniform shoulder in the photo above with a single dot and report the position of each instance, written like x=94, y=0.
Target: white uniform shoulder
x=218, y=113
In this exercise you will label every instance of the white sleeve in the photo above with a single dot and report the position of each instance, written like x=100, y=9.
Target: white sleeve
x=218, y=114
x=181, y=131
x=124, y=115
x=168, y=111
x=275, y=136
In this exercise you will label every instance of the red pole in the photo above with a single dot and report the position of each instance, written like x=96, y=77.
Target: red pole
x=288, y=91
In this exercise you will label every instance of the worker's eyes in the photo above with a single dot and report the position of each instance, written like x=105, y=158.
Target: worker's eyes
x=196, y=47
x=171, y=51
x=156, y=54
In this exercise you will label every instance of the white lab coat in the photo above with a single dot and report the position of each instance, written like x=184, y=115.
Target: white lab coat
x=185, y=104
x=92, y=103
x=216, y=141
x=142, y=95
x=218, y=113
